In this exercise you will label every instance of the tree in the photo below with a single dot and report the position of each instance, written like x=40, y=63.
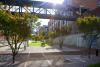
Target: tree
x=43, y=35
x=35, y=25
x=15, y=28
x=65, y=30
x=51, y=35
x=37, y=37
x=90, y=26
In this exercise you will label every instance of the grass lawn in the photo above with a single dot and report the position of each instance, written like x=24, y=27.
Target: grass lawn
x=94, y=65
x=36, y=43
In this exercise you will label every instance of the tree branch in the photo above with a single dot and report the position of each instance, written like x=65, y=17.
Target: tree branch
x=19, y=45
x=11, y=45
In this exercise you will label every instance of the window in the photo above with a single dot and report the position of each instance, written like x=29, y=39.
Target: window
x=82, y=9
x=99, y=3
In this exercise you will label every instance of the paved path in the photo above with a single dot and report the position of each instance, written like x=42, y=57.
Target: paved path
x=47, y=49
x=46, y=57
x=31, y=60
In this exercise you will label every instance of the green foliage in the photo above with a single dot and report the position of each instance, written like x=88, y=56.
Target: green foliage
x=36, y=43
x=16, y=28
x=13, y=26
x=60, y=32
x=89, y=24
x=42, y=35
x=35, y=24
x=65, y=30
x=94, y=65
x=32, y=37
x=36, y=38
x=52, y=34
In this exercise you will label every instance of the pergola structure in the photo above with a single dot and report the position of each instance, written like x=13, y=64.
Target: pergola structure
x=43, y=10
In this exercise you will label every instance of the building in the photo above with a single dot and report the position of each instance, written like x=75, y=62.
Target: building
x=73, y=8
x=91, y=4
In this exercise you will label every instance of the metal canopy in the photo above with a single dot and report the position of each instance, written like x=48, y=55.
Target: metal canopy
x=38, y=7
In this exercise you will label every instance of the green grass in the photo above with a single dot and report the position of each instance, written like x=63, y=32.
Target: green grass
x=94, y=65
x=36, y=43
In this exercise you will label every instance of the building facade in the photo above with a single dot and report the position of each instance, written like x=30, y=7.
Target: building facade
x=73, y=8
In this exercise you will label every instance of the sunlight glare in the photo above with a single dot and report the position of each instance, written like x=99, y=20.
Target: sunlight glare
x=56, y=1
x=53, y=1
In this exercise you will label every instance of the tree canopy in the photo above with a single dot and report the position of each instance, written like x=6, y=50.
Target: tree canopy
x=16, y=28
x=90, y=27
x=90, y=24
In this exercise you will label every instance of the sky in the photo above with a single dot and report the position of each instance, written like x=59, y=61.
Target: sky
x=45, y=21
x=53, y=1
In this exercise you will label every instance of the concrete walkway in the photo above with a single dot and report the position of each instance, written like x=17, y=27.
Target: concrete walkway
x=37, y=57
x=32, y=60
x=47, y=49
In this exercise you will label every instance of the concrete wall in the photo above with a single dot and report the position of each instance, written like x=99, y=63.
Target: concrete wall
x=74, y=39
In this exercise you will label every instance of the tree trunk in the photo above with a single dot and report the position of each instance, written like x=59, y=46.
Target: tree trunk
x=24, y=47
x=89, y=52
x=27, y=43
x=97, y=52
x=13, y=58
x=60, y=46
x=61, y=42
